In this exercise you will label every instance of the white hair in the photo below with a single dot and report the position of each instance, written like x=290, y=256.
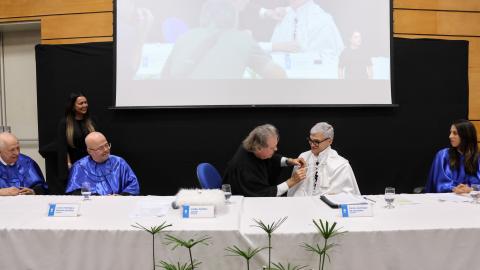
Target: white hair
x=323, y=127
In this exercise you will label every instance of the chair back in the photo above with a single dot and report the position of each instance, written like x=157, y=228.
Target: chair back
x=208, y=176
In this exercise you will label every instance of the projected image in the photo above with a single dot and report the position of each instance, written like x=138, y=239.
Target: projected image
x=252, y=52
x=248, y=39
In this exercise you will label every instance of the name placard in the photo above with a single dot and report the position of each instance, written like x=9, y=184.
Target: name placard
x=356, y=210
x=63, y=209
x=198, y=211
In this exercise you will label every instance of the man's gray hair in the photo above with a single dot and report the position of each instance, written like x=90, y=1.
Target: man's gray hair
x=325, y=128
x=258, y=137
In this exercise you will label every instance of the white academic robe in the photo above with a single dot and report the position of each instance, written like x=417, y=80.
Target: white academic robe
x=314, y=29
x=335, y=175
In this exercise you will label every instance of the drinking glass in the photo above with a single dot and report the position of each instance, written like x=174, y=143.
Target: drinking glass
x=475, y=193
x=227, y=190
x=86, y=191
x=389, y=197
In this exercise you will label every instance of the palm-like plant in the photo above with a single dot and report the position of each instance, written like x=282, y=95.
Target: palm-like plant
x=189, y=244
x=246, y=254
x=170, y=266
x=269, y=229
x=153, y=231
x=327, y=232
x=279, y=266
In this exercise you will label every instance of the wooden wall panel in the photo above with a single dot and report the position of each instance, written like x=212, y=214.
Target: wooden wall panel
x=77, y=26
x=474, y=94
x=26, y=8
x=466, y=5
x=77, y=40
x=436, y=23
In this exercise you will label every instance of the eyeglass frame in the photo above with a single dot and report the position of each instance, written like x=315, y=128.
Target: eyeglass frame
x=106, y=146
x=315, y=142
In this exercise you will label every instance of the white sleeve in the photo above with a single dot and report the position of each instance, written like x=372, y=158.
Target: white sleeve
x=282, y=188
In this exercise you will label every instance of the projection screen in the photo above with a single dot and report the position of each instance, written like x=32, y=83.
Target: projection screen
x=173, y=53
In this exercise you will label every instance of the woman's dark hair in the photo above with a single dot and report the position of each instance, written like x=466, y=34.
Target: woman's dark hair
x=70, y=117
x=468, y=147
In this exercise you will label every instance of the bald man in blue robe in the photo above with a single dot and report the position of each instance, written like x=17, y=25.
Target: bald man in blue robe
x=105, y=174
x=19, y=174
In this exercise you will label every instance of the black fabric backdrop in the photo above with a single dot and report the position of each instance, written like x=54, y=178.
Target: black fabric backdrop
x=391, y=146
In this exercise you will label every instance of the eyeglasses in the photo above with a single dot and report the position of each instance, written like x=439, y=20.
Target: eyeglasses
x=315, y=142
x=316, y=175
x=105, y=146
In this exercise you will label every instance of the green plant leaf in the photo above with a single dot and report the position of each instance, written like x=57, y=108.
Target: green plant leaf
x=178, y=242
x=154, y=229
x=247, y=254
x=269, y=228
x=279, y=266
x=179, y=266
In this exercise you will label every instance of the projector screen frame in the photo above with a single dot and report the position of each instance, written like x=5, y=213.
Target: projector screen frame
x=392, y=85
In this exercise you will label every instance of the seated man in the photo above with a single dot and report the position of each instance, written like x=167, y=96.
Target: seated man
x=327, y=172
x=107, y=174
x=254, y=169
x=19, y=174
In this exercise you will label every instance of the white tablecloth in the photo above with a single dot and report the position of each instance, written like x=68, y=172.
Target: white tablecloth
x=426, y=235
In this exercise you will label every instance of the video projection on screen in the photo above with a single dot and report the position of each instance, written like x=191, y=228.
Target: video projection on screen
x=252, y=52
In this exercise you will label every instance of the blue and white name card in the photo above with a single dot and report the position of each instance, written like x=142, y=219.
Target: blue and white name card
x=63, y=209
x=198, y=211
x=356, y=210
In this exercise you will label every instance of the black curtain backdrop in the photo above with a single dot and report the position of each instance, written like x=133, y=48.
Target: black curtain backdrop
x=386, y=146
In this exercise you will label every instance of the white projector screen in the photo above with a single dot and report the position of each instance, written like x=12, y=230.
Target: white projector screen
x=173, y=53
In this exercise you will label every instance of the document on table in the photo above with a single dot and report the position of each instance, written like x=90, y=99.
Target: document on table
x=342, y=198
x=152, y=207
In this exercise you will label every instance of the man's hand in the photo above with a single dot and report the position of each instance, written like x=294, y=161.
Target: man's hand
x=276, y=14
x=26, y=191
x=10, y=191
x=296, y=162
x=298, y=175
x=462, y=188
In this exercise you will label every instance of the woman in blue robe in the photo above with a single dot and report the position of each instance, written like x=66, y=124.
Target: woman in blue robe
x=456, y=168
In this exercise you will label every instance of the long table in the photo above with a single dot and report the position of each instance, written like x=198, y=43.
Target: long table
x=425, y=234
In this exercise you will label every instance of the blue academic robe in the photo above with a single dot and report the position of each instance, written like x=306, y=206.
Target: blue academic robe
x=113, y=176
x=442, y=178
x=24, y=173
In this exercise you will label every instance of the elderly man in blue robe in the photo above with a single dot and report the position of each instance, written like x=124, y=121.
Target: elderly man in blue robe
x=19, y=174
x=104, y=173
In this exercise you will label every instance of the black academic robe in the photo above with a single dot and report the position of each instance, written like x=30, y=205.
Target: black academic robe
x=250, y=176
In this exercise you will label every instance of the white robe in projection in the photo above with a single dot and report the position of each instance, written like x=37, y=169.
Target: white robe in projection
x=335, y=175
x=312, y=28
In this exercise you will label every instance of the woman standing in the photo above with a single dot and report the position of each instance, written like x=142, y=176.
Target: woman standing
x=456, y=168
x=72, y=130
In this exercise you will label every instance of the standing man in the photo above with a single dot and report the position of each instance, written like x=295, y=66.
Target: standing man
x=327, y=172
x=255, y=168
x=19, y=174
